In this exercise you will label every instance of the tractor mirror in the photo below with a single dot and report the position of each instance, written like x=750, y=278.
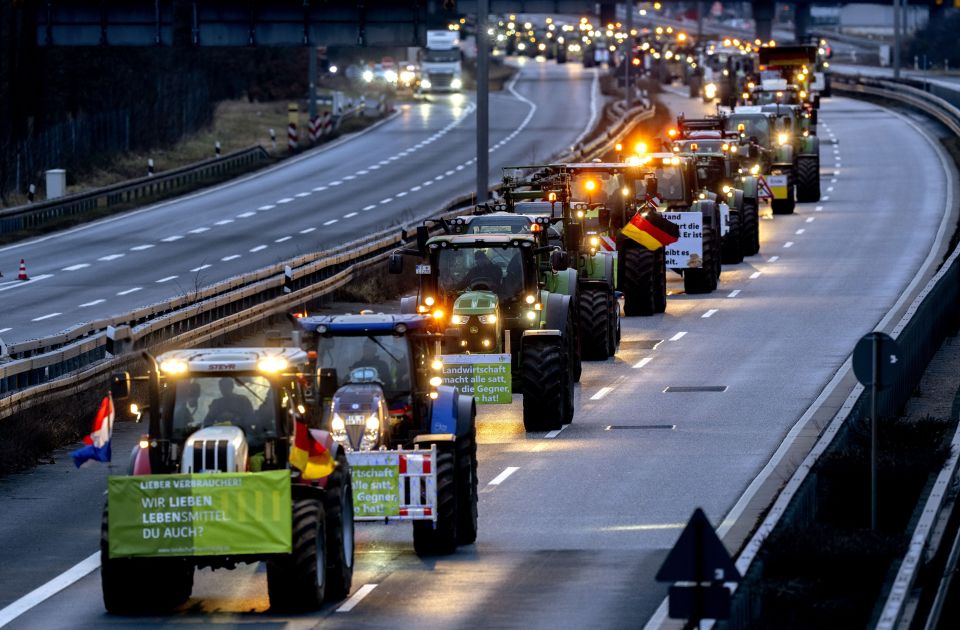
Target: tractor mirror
x=395, y=265
x=423, y=235
x=604, y=215
x=559, y=260
x=573, y=235
x=651, y=186
x=120, y=385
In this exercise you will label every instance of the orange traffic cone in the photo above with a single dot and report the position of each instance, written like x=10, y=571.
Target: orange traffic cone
x=23, y=271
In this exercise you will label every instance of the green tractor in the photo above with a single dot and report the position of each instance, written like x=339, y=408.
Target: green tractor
x=484, y=293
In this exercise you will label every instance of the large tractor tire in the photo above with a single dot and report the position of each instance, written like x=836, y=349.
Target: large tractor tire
x=297, y=582
x=136, y=586
x=808, y=178
x=467, y=496
x=704, y=278
x=660, y=280
x=440, y=538
x=545, y=373
x=637, y=278
x=595, y=306
x=732, y=244
x=340, y=541
x=750, y=227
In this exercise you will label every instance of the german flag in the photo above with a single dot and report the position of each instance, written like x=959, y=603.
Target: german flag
x=651, y=230
x=309, y=456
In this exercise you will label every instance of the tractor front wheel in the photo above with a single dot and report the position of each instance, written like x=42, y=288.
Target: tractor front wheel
x=296, y=582
x=440, y=538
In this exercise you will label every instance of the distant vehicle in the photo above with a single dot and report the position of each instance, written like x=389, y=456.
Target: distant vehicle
x=440, y=65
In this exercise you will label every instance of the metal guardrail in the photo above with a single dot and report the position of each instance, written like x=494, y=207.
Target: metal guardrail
x=920, y=333
x=58, y=362
x=37, y=214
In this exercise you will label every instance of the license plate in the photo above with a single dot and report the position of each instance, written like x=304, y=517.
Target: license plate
x=423, y=270
x=353, y=419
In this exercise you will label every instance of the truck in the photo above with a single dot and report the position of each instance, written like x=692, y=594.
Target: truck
x=410, y=440
x=229, y=470
x=440, y=62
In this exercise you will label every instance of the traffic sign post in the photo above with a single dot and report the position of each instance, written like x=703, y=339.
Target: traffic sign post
x=876, y=359
x=701, y=565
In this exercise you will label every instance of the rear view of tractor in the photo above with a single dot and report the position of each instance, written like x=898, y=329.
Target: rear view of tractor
x=411, y=442
x=229, y=471
x=483, y=290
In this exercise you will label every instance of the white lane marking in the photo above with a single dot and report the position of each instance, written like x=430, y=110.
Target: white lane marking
x=167, y=279
x=76, y=267
x=818, y=209
x=370, y=207
x=245, y=215
x=283, y=239
x=773, y=259
x=829, y=188
x=709, y=313
x=285, y=200
x=387, y=200
x=460, y=167
x=552, y=434
x=269, y=206
x=374, y=167
x=788, y=244
x=734, y=293
x=170, y=239
x=330, y=222
x=362, y=172
x=509, y=470
x=755, y=275
x=349, y=177
x=3, y=330
x=336, y=182
x=438, y=178
x=383, y=162
x=93, y=303
x=319, y=189
x=428, y=183
x=199, y=230
x=402, y=193
x=393, y=158
x=833, y=181
x=22, y=283
x=678, y=336
x=223, y=222
x=129, y=291
x=825, y=198
x=110, y=257
x=800, y=231
x=258, y=248
x=307, y=230
x=357, y=597
x=349, y=215
x=642, y=362
x=603, y=391
x=140, y=248
x=43, y=317
x=201, y=268
x=836, y=172
x=810, y=219
x=449, y=172
x=230, y=257
x=415, y=188
x=54, y=586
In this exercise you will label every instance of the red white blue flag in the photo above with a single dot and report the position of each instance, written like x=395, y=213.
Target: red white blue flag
x=97, y=444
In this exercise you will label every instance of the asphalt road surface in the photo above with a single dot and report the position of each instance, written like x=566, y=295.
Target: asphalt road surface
x=573, y=525
x=403, y=169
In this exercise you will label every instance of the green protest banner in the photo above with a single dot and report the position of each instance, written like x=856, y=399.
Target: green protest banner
x=486, y=377
x=376, y=484
x=200, y=515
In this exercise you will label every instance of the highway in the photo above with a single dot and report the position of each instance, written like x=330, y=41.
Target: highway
x=405, y=168
x=573, y=525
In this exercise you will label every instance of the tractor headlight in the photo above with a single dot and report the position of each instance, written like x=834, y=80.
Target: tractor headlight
x=429, y=301
x=337, y=425
x=367, y=76
x=594, y=242
x=436, y=381
x=488, y=319
x=783, y=138
x=710, y=90
x=425, y=83
x=755, y=169
x=725, y=189
x=372, y=424
x=531, y=315
x=459, y=320
x=456, y=83
x=530, y=299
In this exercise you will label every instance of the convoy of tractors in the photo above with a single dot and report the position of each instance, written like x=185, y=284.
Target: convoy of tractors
x=271, y=454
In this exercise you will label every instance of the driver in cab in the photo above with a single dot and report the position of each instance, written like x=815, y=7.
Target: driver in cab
x=371, y=359
x=484, y=272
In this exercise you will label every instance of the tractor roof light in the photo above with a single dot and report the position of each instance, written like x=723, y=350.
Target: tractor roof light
x=429, y=300
x=174, y=366
x=438, y=314
x=590, y=185
x=272, y=365
x=618, y=147
x=640, y=148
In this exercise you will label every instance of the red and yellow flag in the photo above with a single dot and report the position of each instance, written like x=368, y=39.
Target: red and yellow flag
x=309, y=456
x=651, y=230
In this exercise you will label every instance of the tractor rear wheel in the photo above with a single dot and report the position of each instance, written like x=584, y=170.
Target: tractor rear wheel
x=704, y=278
x=660, y=280
x=440, y=538
x=750, y=226
x=296, y=582
x=594, y=307
x=467, y=488
x=339, y=513
x=545, y=374
x=732, y=243
x=808, y=178
x=637, y=278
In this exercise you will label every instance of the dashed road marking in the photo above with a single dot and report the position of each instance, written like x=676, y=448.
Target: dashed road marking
x=709, y=313
x=603, y=391
x=755, y=275
x=319, y=189
x=370, y=207
x=362, y=172
x=283, y=239
x=301, y=195
x=86, y=304
x=401, y=194
x=349, y=215
x=415, y=188
x=678, y=336
x=428, y=183
x=230, y=257
x=3, y=330
x=818, y=209
x=800, y=231
x=129, y=291
x=167, y=279
x=330, y=222
x=140, y=248
x=223, y=222
x=335, y=183
x=810, y=219
x=829, y=188
x=258, y=248
x=43, y=317
x=245, y=215
x=110, y=257
x=449, y=173
x=76, y=267
x=200, y=268
x=509, y=470
x=349, y=177
x=357, y=597
x=269, y=206
x=642, y=362
x=788, y=244
x=773, y=259
x=285, y=200
x=734, y=293
x=307, y=230
x=170, y=239
x=374, y=167
x=387, y=200
x=199, y=230
x=439, y=177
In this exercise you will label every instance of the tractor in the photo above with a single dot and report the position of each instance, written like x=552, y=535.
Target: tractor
x=216, y=481
x=380, y=396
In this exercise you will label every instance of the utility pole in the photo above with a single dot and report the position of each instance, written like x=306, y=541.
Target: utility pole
x=483, y=101
x=312, y=81
x=896, y=38
x=628, y=57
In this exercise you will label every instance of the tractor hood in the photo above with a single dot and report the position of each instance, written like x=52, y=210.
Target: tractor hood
x=476, y=303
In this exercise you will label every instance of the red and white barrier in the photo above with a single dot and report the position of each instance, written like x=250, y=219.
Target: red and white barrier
x=292, y=142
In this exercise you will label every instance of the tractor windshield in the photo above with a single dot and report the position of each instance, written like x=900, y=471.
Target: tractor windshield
x=753, y=126
x=670, y=185
x=602, y=188
x=246, y=402
x=373, y=358
x=496, y=269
